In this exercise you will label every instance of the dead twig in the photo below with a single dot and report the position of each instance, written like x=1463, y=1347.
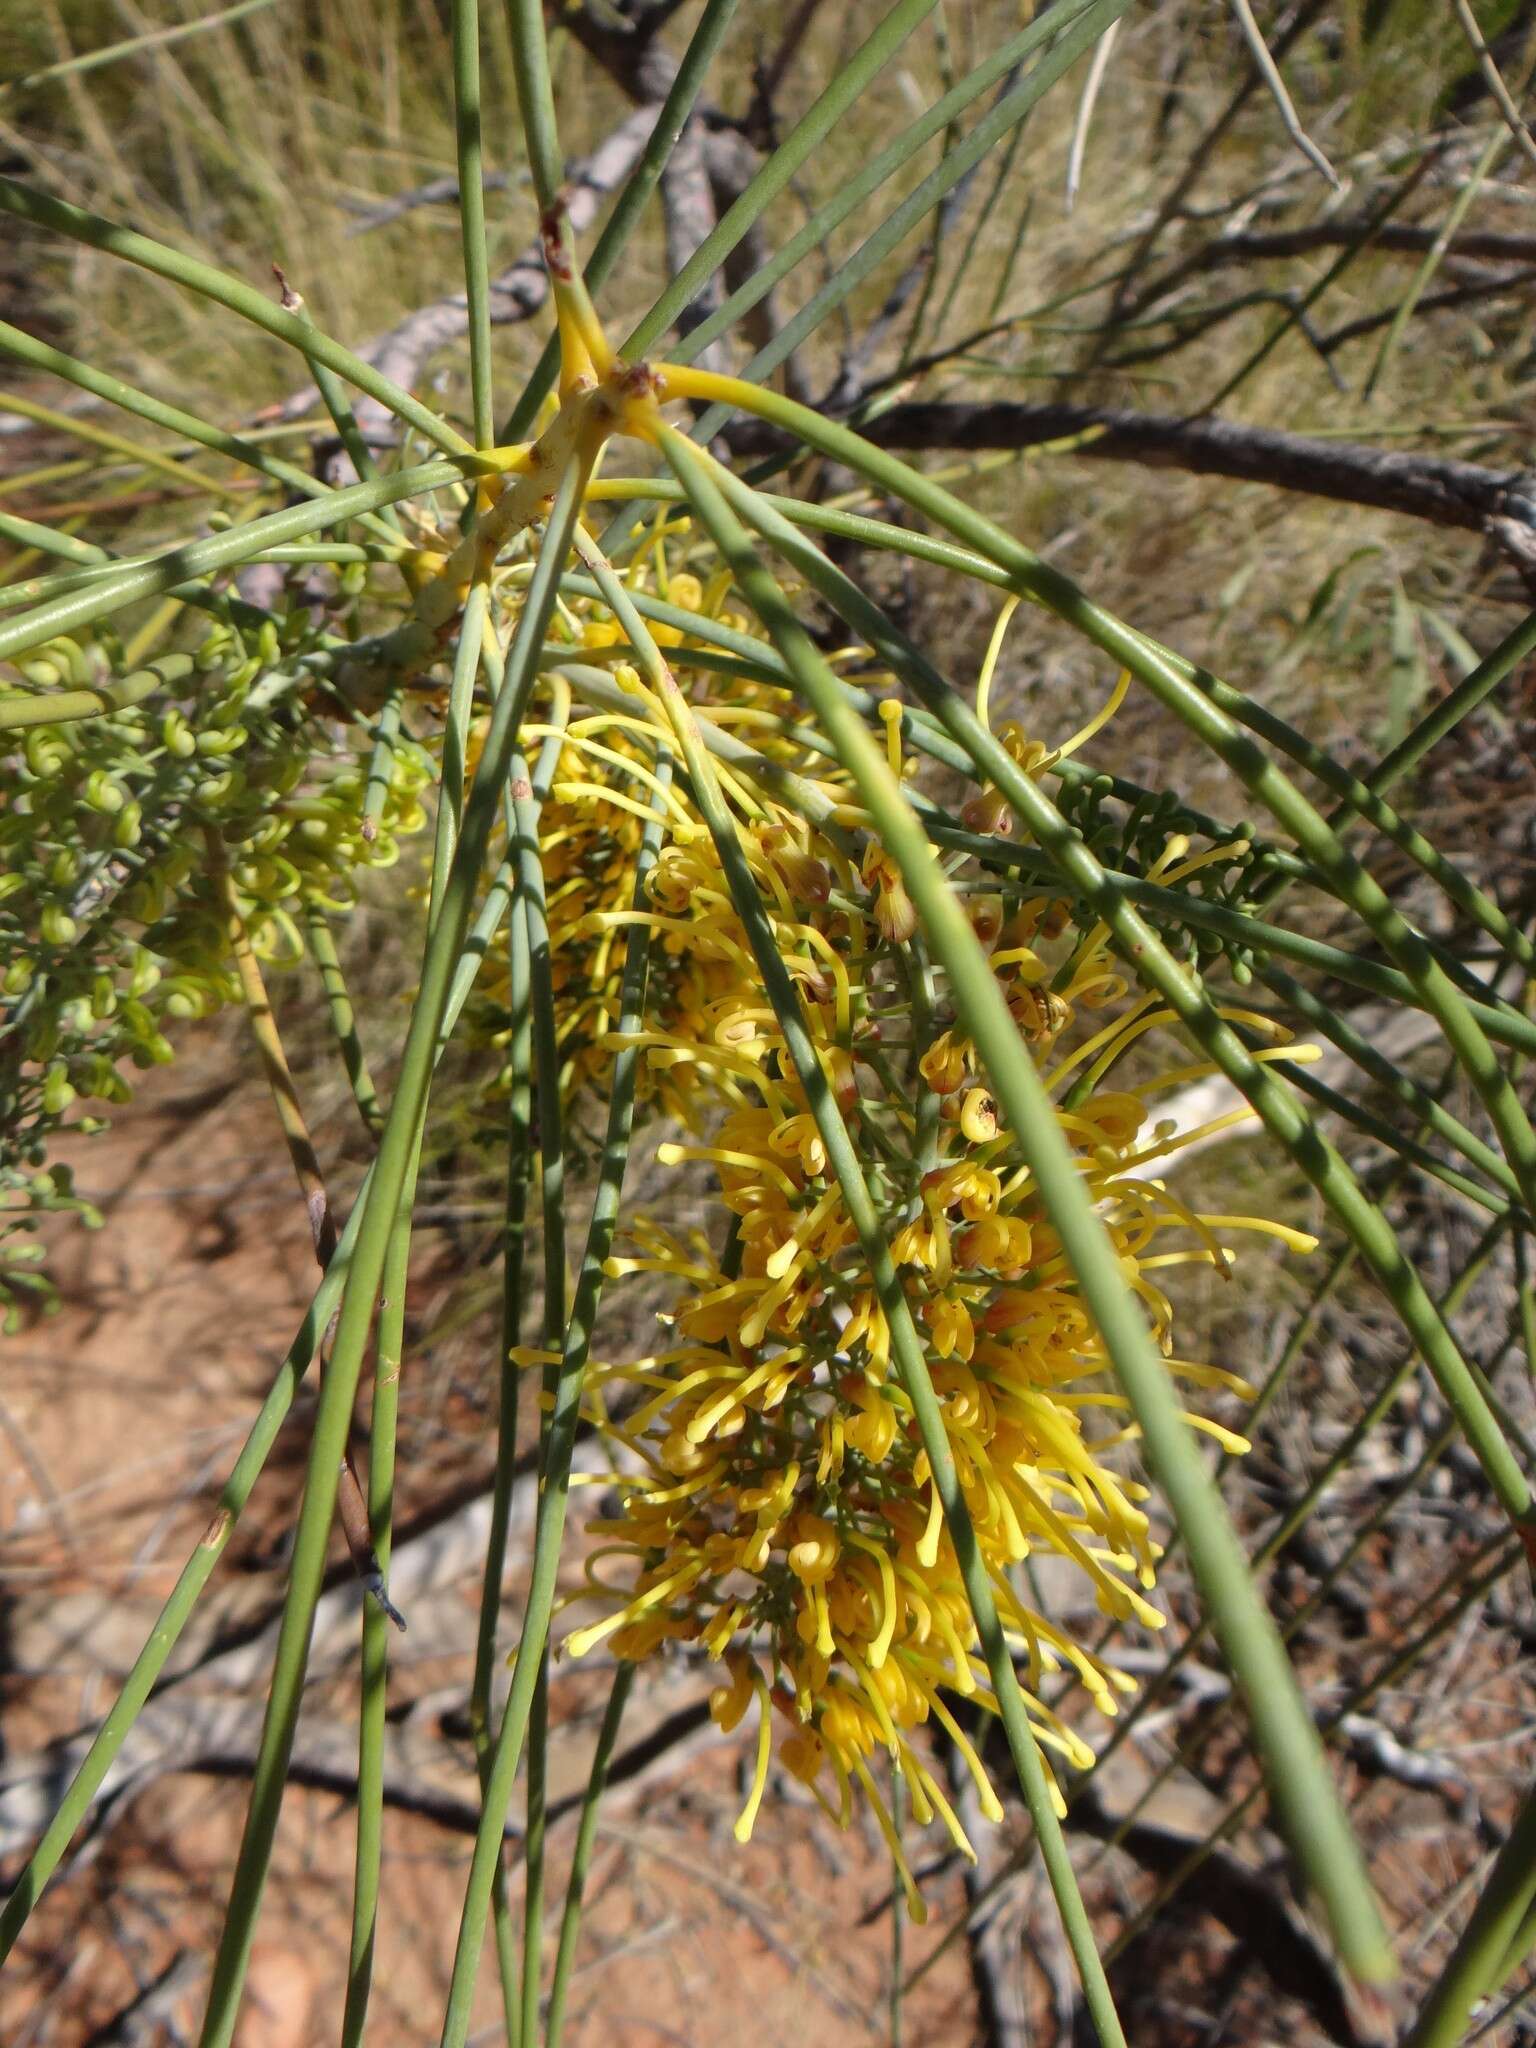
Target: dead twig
x=1436, y=488
x=1093, y=84
x=146, y=2019
x=1380, y=1752
x=1392, y=237
x=1473, y=292
x=1503, y=99
x=442, y=191
x=1269, y=71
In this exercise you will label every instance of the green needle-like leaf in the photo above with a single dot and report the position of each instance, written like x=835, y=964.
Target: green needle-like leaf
x=25, y=203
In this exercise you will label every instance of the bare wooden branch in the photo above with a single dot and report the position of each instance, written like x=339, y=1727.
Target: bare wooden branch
x=1437, y=488
x=1398, y=237
x=147, y=2018
x=442, y=191
x=1475, y=291
x=628, y=44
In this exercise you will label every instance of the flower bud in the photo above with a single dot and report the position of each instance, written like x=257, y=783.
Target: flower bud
x=102, y=793
x=813, y=1552
x=57, y=1092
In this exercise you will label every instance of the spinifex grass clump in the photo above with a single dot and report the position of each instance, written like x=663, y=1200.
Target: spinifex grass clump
x=718, y=844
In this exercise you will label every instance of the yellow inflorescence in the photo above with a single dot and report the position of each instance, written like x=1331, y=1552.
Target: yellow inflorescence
x=603, y=793
x=776, y=1507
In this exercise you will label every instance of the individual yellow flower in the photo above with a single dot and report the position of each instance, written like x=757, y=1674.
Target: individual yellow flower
x=946, y=1063
x=895, y=912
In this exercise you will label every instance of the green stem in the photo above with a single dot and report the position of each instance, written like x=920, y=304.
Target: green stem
x=895, y=1996
x=176, y=1612
x=343, y=1018
x=536, y=99
x=27, y=533
x=554, y=1489
x=386, y=735
x=1395, y=1143
x=165, y=572
x=514, y=1241
x=397, y=1148
x=514, y=1246
x=535, y=1809
x=63, y=707
x=581, y=1855
x=468, y=140
x=546, y=1067
x=40, y=355
x=1526, y=1283
x=374, y=1677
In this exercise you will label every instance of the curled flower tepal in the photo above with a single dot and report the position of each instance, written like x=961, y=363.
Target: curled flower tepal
x=978, y=1115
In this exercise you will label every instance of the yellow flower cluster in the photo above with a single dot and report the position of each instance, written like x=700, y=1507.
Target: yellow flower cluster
x=604, y=792
x=776, y=1507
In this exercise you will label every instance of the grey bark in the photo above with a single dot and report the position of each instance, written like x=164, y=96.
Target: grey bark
x=1437, y=488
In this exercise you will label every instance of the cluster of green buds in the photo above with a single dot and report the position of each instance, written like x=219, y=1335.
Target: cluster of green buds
x=1131, y=831
x=111, y=931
